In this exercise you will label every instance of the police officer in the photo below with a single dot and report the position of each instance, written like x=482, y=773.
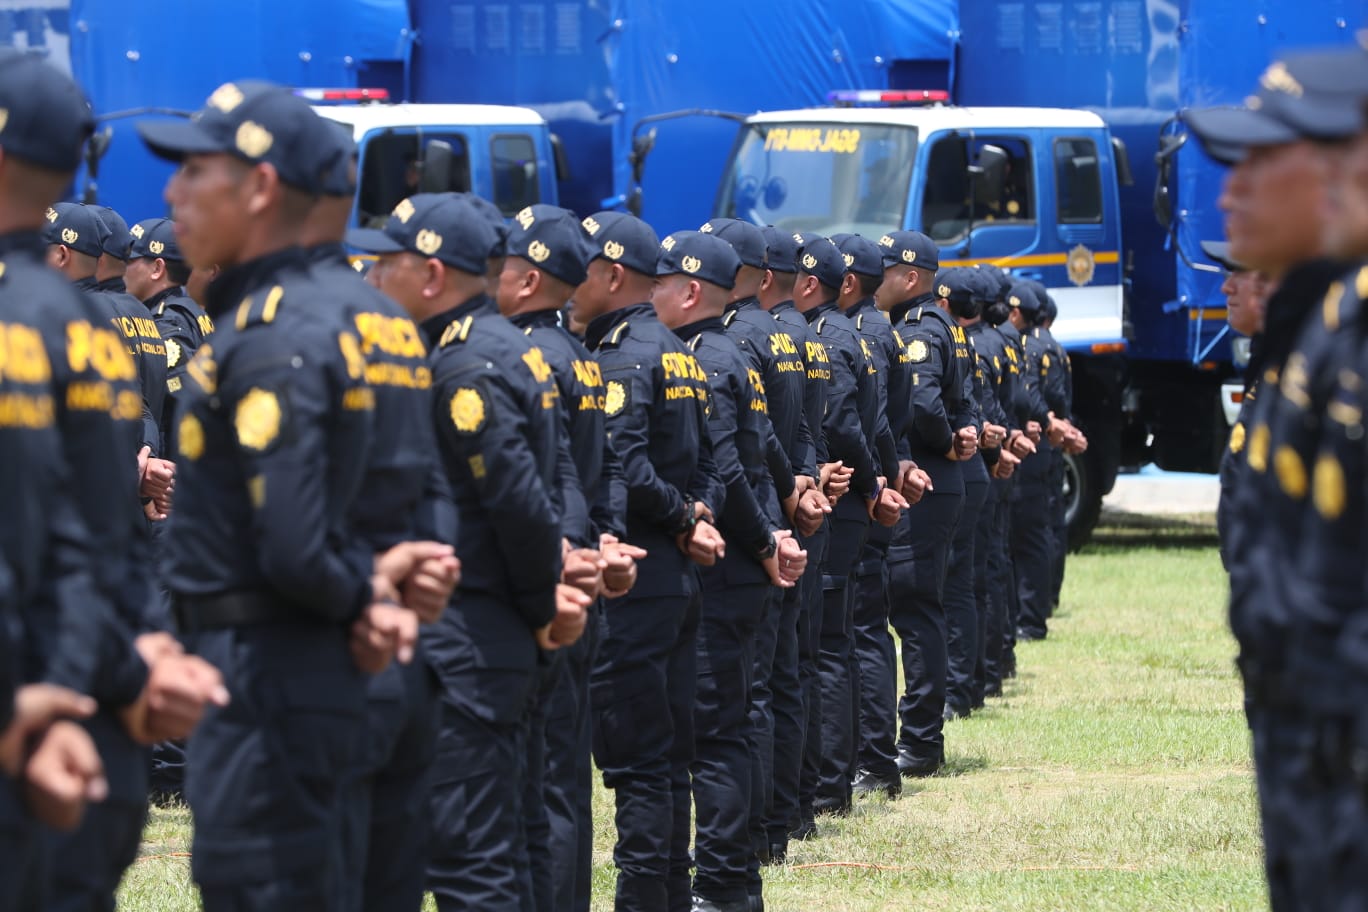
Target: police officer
x=644, y=679
x=1246, y=292
x=499, y=431
x=695, y=272
x=850, y=426
x=773, y=352
x=269, y=584
x=942, y=435
x=404, y=497
x=1296, y=577
x=963, y=298
x=794, y=680
x=547, y=252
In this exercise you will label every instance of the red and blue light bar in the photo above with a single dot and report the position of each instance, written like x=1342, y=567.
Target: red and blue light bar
x=888, y=96
x=343, y=94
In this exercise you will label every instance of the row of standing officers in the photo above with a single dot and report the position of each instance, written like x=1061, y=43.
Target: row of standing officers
x=534, y=493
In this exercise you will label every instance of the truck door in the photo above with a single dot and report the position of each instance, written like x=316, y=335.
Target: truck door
x=514, y=171
x=389, y=168
x=978, y=217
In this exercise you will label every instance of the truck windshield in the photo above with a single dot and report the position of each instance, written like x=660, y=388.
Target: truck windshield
x=821, y=177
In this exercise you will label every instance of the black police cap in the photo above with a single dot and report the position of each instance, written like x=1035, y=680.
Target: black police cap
x=624, y=239
x=155, y=238
x=956, y=284
x=1220, y=252
x=497, y=223
x=861, y=255
x=746, y=239
x=256, y=122
x=74, y=226
x=552, y=239
x=699, y=256
x=781, y=250
x=443, y=226
x=1317, y=96
x=819, y=257
x=45, y=118
x=339, y=176
x=909, y=248
x=114, y=237
x=1022, y=297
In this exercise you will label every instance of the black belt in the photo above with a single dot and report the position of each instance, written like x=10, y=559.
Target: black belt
x=246, y=608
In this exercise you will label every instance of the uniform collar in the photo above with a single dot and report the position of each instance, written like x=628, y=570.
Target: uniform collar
x=698, y=327
x=433, y=327
x=599, y=327
x=864, y=305
x=236, y=282
x=898, y=312
x=87, y=284
x=783, y=306
x=175, y=291
x=25, y=241
x=115, y=284
x=552, y=316
x=743, y=304
x=821, y=310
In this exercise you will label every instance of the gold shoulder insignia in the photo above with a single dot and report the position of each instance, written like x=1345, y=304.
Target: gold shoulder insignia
x=616, y=337
x=820, y=324
x=468, y=412
x=248, y=314
x=257, y=419
x=859, y=321
x=456, y=331
x=615, y=400
x=918, y=350
x=730, y=317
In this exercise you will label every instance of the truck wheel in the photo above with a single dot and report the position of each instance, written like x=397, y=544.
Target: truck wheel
x=1082, y=498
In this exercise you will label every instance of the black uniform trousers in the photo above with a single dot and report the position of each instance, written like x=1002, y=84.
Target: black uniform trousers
x=642, y=701
x=962, y=616
x=1032, y=541
x=267, y=775
x=876, y=664
x=840, y=703
x=568, y=773
x=86, y=865
x=725, y=753
x=23, y=853
x=917, y=613
x=1058, y=524
x=389, y=825
x=798, y=756
x=990, y=551
x=774, y=694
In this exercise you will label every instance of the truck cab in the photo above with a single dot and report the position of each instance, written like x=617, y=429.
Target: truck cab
x=1032, y=190
x=501, y=153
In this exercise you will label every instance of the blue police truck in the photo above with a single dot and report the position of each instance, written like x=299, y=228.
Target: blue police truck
x=1044, y=135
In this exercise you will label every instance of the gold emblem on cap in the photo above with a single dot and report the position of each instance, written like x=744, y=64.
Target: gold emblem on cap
x=1277, y=79
x=668, y=243
x=706, y=229
x=526, y=218
x=613, y=250
x=156, y=248
x=849, y=260
x=190, y=438
x=797, y=238
x=137, y=230
x=944, y=292
x=1081, y=265
x=467, y=410
x=809, y=261
x=591, y=225
x=909, y=256
x=253, y=140
x=537, y=252
x=51, y=214
x=70, y=236
x=404, y=211
x=226, y=97
x=1014, y=301
x=691, y=264
x=885, y=241
x=257, y=419
x=428, y=242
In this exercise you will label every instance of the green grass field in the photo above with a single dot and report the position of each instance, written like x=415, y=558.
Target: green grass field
x=1114, y=774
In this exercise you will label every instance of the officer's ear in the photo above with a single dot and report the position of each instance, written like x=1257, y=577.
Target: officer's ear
x=158, y=269
x=434, y=274
x=768, y=281
x=849, y=284
x=617, y=277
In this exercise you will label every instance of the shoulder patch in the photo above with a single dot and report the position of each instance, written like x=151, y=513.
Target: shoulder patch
x=174, y=353
x=918, y=350
x=258, y=419
x=468, y=411
x=615, y=399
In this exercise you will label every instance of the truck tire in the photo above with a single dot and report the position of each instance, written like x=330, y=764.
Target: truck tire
x=1082, y=497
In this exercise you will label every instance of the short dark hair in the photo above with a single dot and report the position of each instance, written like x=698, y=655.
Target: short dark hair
x=868, y=284
x=177, y=272
x=997, y=312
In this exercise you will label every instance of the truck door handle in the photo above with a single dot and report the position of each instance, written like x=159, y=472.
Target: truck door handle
x=1032, y=274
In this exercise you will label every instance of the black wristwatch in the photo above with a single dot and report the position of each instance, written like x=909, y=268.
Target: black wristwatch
x=769, y=550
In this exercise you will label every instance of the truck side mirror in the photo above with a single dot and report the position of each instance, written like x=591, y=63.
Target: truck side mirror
x=1121, y=156
x=96, y=147
x=562, y=161
x=1163, y=199
x=438, y=165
